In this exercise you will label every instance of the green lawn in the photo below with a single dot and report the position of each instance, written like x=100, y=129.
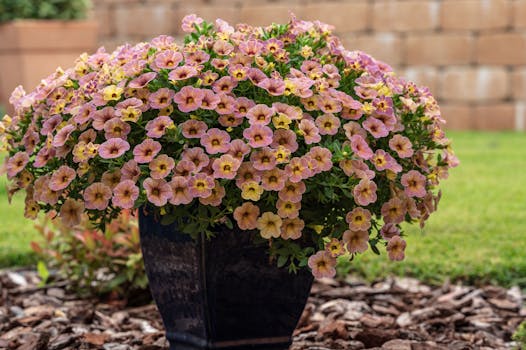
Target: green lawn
x=478, y=233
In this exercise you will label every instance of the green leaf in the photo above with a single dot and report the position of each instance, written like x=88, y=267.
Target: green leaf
x=282, y=260
x=43, y=272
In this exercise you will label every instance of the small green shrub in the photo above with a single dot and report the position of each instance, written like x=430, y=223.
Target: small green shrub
x=520, y=336
x=43, y=9
x=94, y=262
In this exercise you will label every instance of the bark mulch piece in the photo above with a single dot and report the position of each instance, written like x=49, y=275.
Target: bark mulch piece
x=396, y=314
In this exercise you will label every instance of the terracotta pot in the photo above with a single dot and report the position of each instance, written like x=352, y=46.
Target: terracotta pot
x=221, y=293
x=31, y=50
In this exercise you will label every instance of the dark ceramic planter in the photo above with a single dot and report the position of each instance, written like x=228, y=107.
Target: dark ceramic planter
x=221, y=293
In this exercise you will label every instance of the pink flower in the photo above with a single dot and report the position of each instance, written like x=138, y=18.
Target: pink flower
x=200, y=185
x=181, y=194
x=309, y=131
x=161, y=98
x=42, y=157
x=225, y=167
x=17, y=163
x=414, y=184
x=393, y=211
x=156, y=128
x=185, y=168
x=353, y=128
x=322, y=264
x=210, y=100
x=328, y=104
x=51, y=124
x=193, y=129
x=401, y=145
x=322, y=158
x=260, y=114
x=125, y=194
x=226, y=104
x=189, y=22
x=292, y=191
x=246, y=216
x=130, y=171
x=216, y=141
x=258, y=135
x=188, y=99
x=238, y=149
x=142, y=80
x=225, y=85
x=97, y=196
x=365, y=192
x=245, y=173
x=360, y=147
x=71, y=212
x=297, y=169
x=273, y=180
x=158, y=191
x=111, y=178
x=292, y=228
x=264, y=159
x=389, y=230
x=182, y=73
x=168, y=59
x=243, y=105
x=359, y=219
x=356, y=241
x=396, y=248
x=61, y=178
x=145, y=151
x=215, y=199
x=197, y=156
x=275, y=87
x=161, y=166
x=116, y=128
x=113, y=148
x=285, y=138
x=328, y=124
x=101, y=116
x=63, y=135
x=375, y=127
x=230, y=120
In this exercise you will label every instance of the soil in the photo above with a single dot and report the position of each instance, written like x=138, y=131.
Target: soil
x=395, y=313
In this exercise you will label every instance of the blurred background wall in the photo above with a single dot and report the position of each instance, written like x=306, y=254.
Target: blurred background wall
x=471, y=53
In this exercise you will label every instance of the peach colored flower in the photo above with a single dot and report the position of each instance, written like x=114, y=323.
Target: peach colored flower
x=297, y=169
x=113, y=148
x=359, y=219
x=322, y=158
x=146, y=151
x=225, y=167
x=322, y=264
x=292, y=228
x=157, y=127
x=216, y=141
x=239, y=149
x=401, y=145
x=246, y=216
x=71, y=212
x=292, y=191
x=335, y=247
x=414, y=184
x=288, y=209
x=309, y=131
x=263, y=159
x=111, y=178
x=365, y=192
x=161, y=166
x=260, y=114
x=360, y=147
x=328, y=124
x=61, y=178
x=269, y=225
x=273, y=180
x=130, y=171
x=158, y=191
x=393, y=211
x=396, y=248
x=200, y=185
x=197, y=156
x=216, y=197
x=246, y=172
x=285, y=138
x=180, y=192
x=97, y=196
x=258, y=135
x=389, y=230
x=125, y=194
x=356, y=241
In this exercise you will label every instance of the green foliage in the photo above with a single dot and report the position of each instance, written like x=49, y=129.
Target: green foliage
x=520, y=336
x=95, y=263
x=43, y=9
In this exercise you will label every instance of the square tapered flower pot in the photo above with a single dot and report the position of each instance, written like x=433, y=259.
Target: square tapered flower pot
x=32, y=49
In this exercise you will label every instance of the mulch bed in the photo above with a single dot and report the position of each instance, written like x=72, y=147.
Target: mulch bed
x=397, y=313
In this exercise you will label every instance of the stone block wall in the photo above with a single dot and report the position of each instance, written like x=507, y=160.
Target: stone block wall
x=471, y=53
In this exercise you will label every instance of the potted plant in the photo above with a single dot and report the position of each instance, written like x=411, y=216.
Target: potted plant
x=36, y=36
x=256, y=158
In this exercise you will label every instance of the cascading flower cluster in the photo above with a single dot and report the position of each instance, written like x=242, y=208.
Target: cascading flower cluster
x=279, y=129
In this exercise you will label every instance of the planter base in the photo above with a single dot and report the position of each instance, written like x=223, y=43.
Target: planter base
x=222, y=293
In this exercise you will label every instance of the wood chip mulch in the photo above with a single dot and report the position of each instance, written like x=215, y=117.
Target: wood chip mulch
x=396, y=314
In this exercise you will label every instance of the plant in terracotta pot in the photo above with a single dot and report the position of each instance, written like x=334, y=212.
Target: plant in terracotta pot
x=256, y=157
x=36, y=36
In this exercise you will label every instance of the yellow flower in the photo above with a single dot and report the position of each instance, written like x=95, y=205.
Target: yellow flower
x=251, y=190
x=282, y=155
x=112, y=93
x=130, y=114
x=82, y=168
x=306, y=51
x=367, y=108
x=281, y=121
x=269, y=225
